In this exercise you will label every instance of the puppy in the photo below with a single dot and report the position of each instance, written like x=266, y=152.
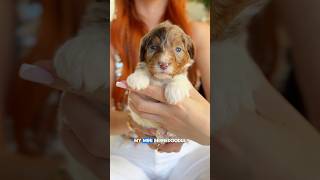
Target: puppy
x=166, y=53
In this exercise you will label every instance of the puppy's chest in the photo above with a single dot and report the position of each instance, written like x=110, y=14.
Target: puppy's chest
x=157, y=82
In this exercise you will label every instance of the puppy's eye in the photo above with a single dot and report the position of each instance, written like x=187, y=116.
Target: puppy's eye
x=178, y=49
x=153, y=47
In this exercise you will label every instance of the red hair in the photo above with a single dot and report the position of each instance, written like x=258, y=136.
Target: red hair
x=127, y=30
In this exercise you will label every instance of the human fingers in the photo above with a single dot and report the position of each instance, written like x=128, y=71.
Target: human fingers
x=145, y=115
x=154, y=92
x=143, y=132
x=42, y=72
x=144, y=105
x=37, y=74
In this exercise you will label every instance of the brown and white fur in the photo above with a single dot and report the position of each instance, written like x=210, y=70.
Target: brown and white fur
x=166, y=53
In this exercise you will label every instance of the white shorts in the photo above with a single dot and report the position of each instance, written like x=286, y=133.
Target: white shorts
x=130, y=161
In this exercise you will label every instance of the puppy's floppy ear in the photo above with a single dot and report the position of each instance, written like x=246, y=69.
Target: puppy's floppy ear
x=143, y=47
x=189, y=45
x=165, y=23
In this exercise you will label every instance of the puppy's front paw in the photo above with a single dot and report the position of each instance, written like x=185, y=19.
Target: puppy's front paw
x=138, y=80
x=176, y=92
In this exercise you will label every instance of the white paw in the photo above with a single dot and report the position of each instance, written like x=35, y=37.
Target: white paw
x=176, y=92
x=138, y=80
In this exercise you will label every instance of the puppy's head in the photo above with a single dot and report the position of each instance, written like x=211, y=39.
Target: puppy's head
x=167, y=51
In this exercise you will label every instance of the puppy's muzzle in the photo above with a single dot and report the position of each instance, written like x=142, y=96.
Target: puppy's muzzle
x=163, y=66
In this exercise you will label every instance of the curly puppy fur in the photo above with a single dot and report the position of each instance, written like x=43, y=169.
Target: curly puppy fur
x=166, y=53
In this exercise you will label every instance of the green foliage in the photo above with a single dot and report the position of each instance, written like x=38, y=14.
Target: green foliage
x=205, y=2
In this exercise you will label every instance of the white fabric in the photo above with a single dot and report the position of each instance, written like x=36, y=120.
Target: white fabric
x=192, y=159
x=195, y=165
x=122, y=169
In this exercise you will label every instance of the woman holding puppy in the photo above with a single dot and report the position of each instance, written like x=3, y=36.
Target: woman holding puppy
x=84, y=133
x=267, y=143
x=132, y=21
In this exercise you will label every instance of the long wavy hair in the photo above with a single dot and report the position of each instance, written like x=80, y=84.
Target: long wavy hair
x=127, y=29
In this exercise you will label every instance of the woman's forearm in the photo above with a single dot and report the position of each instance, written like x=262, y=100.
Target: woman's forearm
x=118, y=122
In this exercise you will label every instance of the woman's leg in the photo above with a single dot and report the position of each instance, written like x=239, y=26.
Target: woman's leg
x=194, y=166
x=154, y=164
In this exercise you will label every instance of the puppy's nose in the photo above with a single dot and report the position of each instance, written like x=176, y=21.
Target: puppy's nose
x=163, y=66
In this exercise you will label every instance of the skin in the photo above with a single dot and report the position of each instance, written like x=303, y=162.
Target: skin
x=235, y=139
x=144, y=8
x=166, y=33
x=87, y=140
x=188, y=119
x=201, y=38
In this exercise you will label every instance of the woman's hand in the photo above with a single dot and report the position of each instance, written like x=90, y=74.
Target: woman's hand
x=150, y=132
x=84, y=128
x=42, y=72
x=190, y=118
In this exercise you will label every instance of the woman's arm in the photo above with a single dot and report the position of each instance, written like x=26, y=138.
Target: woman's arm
x=201, y=38
x=118, y=122
x=189, y=119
